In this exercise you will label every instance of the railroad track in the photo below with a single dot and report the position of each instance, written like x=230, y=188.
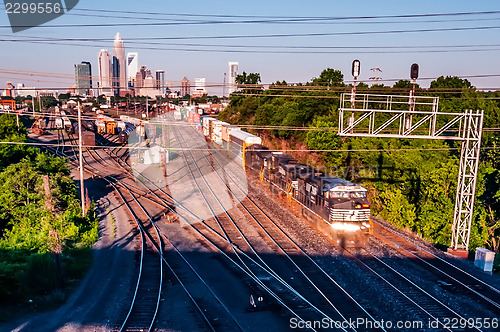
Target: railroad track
x=327, y=288
x=134, y=315
x=141, y=314
x=145, y=303
x=423, y=300
x=452, y=278
x=214, y=318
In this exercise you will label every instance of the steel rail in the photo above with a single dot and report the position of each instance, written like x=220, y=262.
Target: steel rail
x=288, y=238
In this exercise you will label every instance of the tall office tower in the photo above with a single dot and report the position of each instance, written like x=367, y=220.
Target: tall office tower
x=116, y=76
x=121, y=66
x=105, y=72
x=132, y=67
x=233, y=72
x=185, y=87
x=83, y=78
x=161, y=84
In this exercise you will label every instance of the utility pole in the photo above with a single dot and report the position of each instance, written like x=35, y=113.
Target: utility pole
x=224, y=87
x=80, y=157
x=39, y=103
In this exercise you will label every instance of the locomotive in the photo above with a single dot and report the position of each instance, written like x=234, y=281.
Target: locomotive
x=336, y=207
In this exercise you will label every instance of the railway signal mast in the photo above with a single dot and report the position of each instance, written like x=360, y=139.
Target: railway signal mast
x=392, y=116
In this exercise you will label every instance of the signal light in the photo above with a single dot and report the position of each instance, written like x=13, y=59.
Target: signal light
x=355, y=68
x=414, y=71
x=366, y=205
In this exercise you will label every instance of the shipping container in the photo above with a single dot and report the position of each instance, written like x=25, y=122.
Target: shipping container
x=239, y=140
x=207, y=127
x=217, y=131
x=226, y=130
x=88, y=138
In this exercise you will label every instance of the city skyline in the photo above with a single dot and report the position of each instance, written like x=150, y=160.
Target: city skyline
x=390, y=36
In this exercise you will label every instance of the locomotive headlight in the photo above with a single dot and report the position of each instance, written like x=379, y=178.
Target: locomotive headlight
x=346, y=227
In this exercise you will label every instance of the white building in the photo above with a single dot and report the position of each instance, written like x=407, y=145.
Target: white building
x=233, y=72
x=132, y=66
x=121, y=66
x=199, y=87
x=105, y=73
x=24, y=91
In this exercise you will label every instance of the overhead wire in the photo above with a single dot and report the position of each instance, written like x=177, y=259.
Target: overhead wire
x=282, y=150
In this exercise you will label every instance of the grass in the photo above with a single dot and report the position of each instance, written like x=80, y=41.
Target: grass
x=33, y=288
x=113, y=224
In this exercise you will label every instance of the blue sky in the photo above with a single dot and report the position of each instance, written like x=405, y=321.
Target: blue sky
x=297, y=67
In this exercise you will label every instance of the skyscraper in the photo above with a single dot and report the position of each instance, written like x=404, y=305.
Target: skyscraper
x=233, y=72
x=105, y=73
x=161, y=84
x=116, y=76
x=132, y=67
x=119, y=64
x=185, y=87
x=83, y=78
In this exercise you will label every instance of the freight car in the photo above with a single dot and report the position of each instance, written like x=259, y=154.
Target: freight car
x=239, y=140
x=67, y=125
x=336, y=207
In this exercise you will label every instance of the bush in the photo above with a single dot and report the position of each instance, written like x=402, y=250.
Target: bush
x=40, y=275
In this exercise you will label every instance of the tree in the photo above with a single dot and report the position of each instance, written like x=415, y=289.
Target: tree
x=451, y=82
x=64, y=96
x=329, y=77
x=251, y=78
x=404, y=84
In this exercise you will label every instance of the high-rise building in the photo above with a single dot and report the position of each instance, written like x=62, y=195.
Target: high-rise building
x=116, y=76
x=105, y=73
x=119, y=64
x=199, y=87
x=132, y=67
x=161, y=84
x=233, y=72
x=185, y=87
x=83, y=78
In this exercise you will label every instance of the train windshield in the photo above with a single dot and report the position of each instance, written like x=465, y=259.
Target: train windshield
x=348, y=194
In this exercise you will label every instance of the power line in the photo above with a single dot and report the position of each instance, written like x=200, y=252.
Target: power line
x=282, y=150
x=289, y=17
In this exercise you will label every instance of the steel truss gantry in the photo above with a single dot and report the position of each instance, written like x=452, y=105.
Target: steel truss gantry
x=391, y=116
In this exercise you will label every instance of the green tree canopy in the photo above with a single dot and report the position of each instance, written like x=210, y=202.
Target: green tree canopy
x=329, y=77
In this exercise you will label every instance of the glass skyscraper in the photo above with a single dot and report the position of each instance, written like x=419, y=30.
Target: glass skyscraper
x=83, y=78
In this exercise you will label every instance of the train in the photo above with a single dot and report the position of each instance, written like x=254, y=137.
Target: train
x=336, y=207
x=124, y=134
x=87, y=124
